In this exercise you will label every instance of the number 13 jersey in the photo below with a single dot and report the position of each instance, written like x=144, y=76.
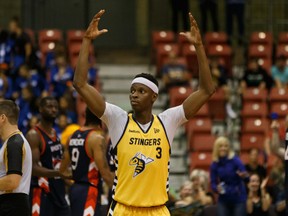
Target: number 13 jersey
x=142, y=165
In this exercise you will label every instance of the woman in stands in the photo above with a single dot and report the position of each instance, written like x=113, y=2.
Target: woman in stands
x=227, y=174
x=258, y=201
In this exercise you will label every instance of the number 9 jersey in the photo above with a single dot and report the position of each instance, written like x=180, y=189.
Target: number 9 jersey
x=142, y=165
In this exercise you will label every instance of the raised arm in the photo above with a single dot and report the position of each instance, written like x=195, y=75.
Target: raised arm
x=91, y=96
x=206, y=86
x=97, y=147
x=275, y=140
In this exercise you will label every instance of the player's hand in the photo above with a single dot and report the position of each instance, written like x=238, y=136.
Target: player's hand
x=194, y=35
x=92, y=31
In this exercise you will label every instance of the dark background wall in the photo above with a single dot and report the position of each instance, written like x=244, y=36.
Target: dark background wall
x=130, y=22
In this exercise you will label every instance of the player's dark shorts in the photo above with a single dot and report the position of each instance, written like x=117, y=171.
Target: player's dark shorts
x=84, y=198
x=14, y=204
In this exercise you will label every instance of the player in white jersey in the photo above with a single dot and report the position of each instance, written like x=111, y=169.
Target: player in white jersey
x=15, y=163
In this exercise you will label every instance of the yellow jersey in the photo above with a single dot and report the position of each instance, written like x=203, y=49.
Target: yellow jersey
x=142, y=165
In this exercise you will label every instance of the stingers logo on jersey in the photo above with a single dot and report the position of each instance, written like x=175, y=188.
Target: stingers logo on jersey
x=140, y=161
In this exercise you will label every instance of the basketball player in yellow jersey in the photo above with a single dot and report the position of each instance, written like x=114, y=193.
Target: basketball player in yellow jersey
x=141, y=141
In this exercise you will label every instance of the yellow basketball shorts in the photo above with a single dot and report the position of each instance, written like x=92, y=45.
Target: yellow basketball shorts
x=118, y=209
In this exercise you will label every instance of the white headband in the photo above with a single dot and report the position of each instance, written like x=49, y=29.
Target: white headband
x=147, y=83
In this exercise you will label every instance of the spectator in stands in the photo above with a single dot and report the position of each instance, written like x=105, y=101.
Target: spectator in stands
x=185, y=194
x=5, y=48
x=67, y=107
x=174, y=73
x=181, y=7
x=219, y=76
x=277, y=174
x=279, y=72
x=200, y=180
x=59, y=49
x=212, y=7
x=29, y=77
x=235, y=8
x=61, y=77
x=253, y=165
x=61, y=124
x=258, y=201
x=227, y=179
x=22, y=46
x=5, y=82
x=28, y=108
x=255, y=76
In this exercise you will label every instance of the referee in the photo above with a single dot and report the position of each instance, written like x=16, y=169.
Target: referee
x=15, y=164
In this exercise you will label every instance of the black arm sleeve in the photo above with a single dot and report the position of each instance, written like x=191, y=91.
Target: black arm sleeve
x=15, y=154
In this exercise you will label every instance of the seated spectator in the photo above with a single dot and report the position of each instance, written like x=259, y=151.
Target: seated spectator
x=5, y=82
x=61, y=76
x=200, y=179
x=255, y=76
x=185, y=195
x=59, y=49
x=174, y=73
x=279, y=72
x=67, y=107
x=253, y=166
x=29, y=77
x=60, y=124
x=5, y=48
x=258, y=201
x=227, y=175
x=277, y=176
x=27, y=106
x=22, y=45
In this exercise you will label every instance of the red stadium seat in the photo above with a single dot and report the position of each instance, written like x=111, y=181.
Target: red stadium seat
x=259, y=51
x=254, y=109
x=217, y=104
x=255, y=126
x=161, y=37
x=282, y=50
x=189, y=52
x=201, y=160
x=197, y=126
x=202, y=142
x=162, y=52
x=250, y=140
x=177, y=95
x=74, y=50
x=50, y=35
x=278, y=95
x=281, y=108
x=183, y=41
x=261, y=38
x=283, y=38
x=255, y=94
x=74, y=36
x=215, y=38
x=224, y=52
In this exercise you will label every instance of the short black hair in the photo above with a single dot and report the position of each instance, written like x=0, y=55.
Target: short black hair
x=149, y=77
x=11, y=110
x=16, y=20
x=91, y=119
x=44, y=100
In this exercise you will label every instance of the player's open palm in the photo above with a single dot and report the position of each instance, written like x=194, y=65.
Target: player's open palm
x=92, y=31
x=194, y=35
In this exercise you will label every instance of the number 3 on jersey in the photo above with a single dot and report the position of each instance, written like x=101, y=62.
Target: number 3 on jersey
x=159, y=152
x=74, y=158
